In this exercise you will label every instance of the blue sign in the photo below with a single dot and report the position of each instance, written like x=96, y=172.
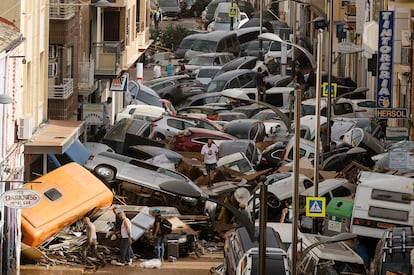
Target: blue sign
x=385, y=58
x=315, y=206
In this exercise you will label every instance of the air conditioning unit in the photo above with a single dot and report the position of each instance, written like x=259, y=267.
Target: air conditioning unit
x=53, y=52
x=25, y=127
x=52, y=70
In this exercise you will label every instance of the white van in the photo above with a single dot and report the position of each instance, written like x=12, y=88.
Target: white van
x=241, y=253
x=380, y=204
x=329, y=258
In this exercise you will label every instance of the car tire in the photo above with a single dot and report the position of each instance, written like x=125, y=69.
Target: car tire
x=273, y=201
x=105, y=172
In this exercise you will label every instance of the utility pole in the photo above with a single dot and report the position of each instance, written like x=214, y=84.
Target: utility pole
x=329, y=104
x=232, y=18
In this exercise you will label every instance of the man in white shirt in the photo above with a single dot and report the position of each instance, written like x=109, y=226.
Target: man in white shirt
x=126, y=240
x=157, y=70
x=209, y=154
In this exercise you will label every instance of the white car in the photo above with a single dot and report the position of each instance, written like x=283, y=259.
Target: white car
x=206, y=74
x=364, y=107
x=275, y=50
x=144, y=112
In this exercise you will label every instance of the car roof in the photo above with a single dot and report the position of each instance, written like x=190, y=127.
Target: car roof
x=237, y=62
x=325, y=186
x=230, y=74
x=215, y=35
x=209, y=132
x=166, y=78
x=214, y=54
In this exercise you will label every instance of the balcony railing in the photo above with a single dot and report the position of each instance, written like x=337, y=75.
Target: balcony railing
x=61, y=91
x=86, y=74
x=107, y=57
x=62, y=9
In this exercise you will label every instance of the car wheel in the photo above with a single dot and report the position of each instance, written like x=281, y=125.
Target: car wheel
x=273, y=201
x=159, y=137
x=105, y=172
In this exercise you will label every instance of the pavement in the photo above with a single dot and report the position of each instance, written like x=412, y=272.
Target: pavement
x=183, y=266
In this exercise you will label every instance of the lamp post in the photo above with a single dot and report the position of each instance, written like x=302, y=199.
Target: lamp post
x=297, y=109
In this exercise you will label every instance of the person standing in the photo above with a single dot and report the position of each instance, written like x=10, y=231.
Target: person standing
x=169, y=68
x=157, y=17
x=107, y=111
x=181, y=68
x=209, y=155
x=91, y=241
x=157, y=70
x=260, y=85
x=157, y=234
x=126, y=240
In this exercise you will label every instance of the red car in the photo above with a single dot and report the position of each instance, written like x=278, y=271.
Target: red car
x=193, y=139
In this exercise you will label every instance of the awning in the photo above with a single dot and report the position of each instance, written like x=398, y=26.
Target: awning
x=55, y=137
x=370, y=39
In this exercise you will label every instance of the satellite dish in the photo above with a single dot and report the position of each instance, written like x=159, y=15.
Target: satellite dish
x=242, y=195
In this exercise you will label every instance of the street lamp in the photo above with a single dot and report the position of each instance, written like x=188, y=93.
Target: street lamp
x=297, y=109
x=276, y=38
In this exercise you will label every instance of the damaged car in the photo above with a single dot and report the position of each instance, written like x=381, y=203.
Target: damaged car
x=147, y=184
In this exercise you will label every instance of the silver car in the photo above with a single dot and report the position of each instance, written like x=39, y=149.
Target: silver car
x=111, y=166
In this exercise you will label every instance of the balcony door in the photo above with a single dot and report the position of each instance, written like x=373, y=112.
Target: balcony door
x=111, y=25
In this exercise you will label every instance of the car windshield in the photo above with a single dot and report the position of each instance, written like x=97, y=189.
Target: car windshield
x=265, y=116
x=208, y=73
x=276, y=46
x=308, y=110
x=168, y=3
x=204, y=46
x=215, y=86
x=186, y=43
x=201, y=60
x=223, y=18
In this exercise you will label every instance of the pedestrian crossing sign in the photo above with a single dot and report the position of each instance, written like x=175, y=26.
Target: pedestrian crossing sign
x=334, y=88
x=233, y=11
x=315, y=206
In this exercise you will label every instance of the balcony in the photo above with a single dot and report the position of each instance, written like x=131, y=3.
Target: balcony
x=107, y=57
x=86, y=81
x=62, y=9
x=62, y=91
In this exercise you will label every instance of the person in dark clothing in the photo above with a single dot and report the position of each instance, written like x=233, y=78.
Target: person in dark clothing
x=157, y=233
x=260, y=85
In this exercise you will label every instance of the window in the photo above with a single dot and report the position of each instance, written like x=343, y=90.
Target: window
x=53, y=194
x=343, y=108
x=228, y=43
x=234, y=83
x=390, y=196
x=386, y=213
x=175, y=124
x=307, y=184
x=341, y=192
x=244, y=79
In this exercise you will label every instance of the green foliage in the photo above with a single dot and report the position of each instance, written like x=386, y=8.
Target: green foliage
x=170, y=36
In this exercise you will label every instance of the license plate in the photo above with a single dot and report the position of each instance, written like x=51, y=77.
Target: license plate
x=334, y=226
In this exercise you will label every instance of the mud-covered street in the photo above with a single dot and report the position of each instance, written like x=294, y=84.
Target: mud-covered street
x=183, y=266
